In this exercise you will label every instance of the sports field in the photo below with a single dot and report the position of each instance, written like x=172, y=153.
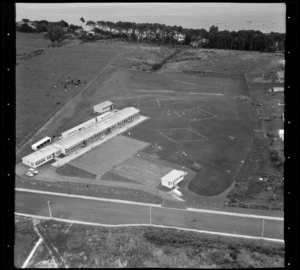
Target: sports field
x=219, y=139
x=109, y=154
x=142, y=171
x=193, y=118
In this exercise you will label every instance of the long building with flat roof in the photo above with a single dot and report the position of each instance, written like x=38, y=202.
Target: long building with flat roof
x=103, y=107
x=41, y=156
x=94, y=132
x=82, y=137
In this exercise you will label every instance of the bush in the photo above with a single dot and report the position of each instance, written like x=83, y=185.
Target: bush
x=26, y=28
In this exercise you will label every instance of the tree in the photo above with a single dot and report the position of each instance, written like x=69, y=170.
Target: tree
x=26, y=28
x=187, y=39
x=82, y=21
x=25, y=20
x=56, y=34
x=91, y=23
x=133, y=36
x=41, y=27
x=212, y=34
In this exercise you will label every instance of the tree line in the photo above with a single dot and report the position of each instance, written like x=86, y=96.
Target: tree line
x=249, y=40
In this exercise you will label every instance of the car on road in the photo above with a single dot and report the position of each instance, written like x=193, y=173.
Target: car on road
x=29, y=174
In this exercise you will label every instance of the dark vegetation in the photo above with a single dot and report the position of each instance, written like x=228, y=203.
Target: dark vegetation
x=248, y=40
x=89, y=246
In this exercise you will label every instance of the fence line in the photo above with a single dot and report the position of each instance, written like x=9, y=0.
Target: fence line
x=68, y=186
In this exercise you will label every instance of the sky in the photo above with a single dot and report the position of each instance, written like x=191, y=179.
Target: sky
x=266, y=17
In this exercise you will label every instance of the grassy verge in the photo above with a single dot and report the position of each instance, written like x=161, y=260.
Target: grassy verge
x=89, y=246
x=25, y=239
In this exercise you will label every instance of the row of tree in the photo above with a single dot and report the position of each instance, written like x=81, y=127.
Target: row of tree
x=252, y=40
x=249, y=40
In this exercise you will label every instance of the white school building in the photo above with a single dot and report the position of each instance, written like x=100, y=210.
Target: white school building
x=81, y=136
x=103, y=107
x=171, y=179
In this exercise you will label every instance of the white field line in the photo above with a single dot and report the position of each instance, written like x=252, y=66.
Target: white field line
x=152, y=225
x=32, y=252
x=191, y=130
x=85, y=197
x=153, y=205
x=167, y=91
x=197, y=120
x=185, y=82
x=211, y=94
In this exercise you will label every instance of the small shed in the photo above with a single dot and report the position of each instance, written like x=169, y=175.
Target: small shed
x=171, y=179
x=281, y=134
x=103, y=107
x=278, y=89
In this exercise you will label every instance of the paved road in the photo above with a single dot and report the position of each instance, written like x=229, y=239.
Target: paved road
x=117, y=213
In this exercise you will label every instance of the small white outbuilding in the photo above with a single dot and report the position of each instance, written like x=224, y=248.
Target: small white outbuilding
x=103, y=107
x=171, y=179
x=281, y=134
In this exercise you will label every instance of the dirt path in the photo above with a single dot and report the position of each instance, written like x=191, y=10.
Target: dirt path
x=52, y=250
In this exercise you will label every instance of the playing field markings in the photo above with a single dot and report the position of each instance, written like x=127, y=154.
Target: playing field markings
x=195, y=119
x=167, y=137
x=185, y=82
x=209, y=94
x=148, y=104
x=158, y=103
x=178, y=141
x=163, y=91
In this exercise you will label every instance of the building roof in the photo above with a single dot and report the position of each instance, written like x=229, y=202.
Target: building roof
x=173, y=175
x=41, y=141
x=102, y=105
x=98, y=127
x=278, y=89
x=39, y=154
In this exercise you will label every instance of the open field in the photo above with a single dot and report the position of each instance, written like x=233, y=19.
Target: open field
x=182, y=135
x=111, y=153
x=142, y=171
x=90, y=246
x=218, y=154
x=225, y=61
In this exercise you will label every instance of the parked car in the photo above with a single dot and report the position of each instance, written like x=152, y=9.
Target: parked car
x=29, y=174
x=33, y=171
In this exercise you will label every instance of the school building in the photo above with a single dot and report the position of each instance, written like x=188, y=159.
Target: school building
x=81, y=136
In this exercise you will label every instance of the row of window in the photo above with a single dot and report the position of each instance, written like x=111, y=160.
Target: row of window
x=97, y=135
x=40, y=161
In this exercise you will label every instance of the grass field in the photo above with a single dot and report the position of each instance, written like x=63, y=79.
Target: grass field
x=111, y=153
x=182, y=135
x=100, y=247
x=193, y=118
x=142, y=171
